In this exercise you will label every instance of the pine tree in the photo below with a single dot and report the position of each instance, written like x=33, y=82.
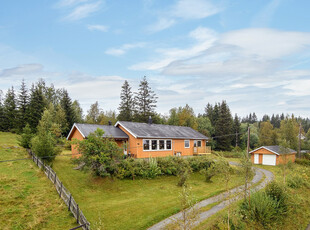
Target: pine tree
x=36, y=107
x=22, y=103
x=66, y=104
x=94, y=114
x=224, y=127
x=78, y=111
x=126, y=106
x=236, y=128
x=10, y=110
x=145, y=101
x=2, y=118
x=60, y=119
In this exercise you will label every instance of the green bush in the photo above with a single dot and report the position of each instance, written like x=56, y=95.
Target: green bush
x=261, y=209
x=296, y=181
x=304, y=162
x=277, y=192
x=25, y=138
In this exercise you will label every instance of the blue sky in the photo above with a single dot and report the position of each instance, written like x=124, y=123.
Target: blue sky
x=253, y=54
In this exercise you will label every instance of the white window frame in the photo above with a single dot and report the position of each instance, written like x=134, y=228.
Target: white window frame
x=189, y=144
x=157, y=145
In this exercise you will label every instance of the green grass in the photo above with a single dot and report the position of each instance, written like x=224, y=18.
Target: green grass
x=28, y=200
x=128, y=204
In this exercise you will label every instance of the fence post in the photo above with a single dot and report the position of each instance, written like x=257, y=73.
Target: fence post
x=38, y=161
x=48, y=175
x=55, y=179
x=60, y=189
x=77, y=213
x=69, y=202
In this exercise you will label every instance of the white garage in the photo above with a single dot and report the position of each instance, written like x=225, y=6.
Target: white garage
x=269, y=159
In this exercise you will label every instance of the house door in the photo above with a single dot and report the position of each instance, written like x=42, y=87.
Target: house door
x=269, y=159
x=256, y=157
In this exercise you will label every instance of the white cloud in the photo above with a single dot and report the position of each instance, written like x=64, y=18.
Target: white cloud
x=21, y=70
x=263, y=18
x=298, y=87
x=101, y=28
x=68, y=3
x=184, y=9
x=83, y=11
x=124, y=48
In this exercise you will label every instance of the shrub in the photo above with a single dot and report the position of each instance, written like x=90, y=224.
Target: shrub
x=277, y=192
x=261, y=209
x=304, y=162
x=296, y=181
x=25, y=138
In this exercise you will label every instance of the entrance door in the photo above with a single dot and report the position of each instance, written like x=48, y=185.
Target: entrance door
x=256, y=157
x=125, y=147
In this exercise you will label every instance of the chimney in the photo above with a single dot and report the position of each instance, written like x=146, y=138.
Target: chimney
x=110, y=123
x=150, y=120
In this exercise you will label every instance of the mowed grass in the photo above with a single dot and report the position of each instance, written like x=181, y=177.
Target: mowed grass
x=128, y=204
x=28, y=200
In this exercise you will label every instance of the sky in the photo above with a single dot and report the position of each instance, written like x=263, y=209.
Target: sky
x=253, y=54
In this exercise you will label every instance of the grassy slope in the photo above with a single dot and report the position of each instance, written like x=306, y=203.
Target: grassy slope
x=300, y=205
x=27, y=199
x=127, y=204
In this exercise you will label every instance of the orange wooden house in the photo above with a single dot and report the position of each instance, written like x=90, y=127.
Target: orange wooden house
x=143, y=140
x=272, y=155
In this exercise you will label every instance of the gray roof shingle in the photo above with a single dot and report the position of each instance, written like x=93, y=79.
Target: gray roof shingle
x=109, y=130
x=143, y=130
x=280, y=150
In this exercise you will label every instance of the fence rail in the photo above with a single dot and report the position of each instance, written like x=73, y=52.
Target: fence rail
x=62, y=191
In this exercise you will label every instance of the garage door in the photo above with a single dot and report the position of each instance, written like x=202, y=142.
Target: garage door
x=269, y=159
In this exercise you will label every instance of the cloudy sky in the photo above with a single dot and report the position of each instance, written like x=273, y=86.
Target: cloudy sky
x=253, y=54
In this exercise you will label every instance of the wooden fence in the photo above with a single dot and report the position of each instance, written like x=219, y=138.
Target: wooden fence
x=63, y=192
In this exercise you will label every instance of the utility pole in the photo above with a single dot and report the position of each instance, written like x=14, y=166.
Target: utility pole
x=248, y=147
x=299, y=141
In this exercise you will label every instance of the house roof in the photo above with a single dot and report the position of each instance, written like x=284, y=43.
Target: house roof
x=276, y=149
x=144, y=130
x=109, y=130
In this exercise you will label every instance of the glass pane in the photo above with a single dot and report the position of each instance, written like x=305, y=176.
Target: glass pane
x=186, y=144
x=199, y=143
x=154, y=144
x=195, y=143
x=161, y=144
x=168, y=144
x=146, y=145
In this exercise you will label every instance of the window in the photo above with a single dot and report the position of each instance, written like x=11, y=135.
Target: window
x=198, y=143
x=161, y=144
x=146, y=144
x=186, y=144
x=168, y=144
x=154, y=144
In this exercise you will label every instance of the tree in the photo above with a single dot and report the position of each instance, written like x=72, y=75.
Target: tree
x=224, y=128
x=25, y=138
x=66, y=104
x=266, y=133
x=187, y=117
x=44, y=143
x=2, y=116
x=78, y=111
x=145, y=101
x=93, y=114
x=22, y=104
x=107, y=117
x=289, y=130
x=36, y=107
x=173, y=118
x=126, y=106
x=10, y=110
x=100, y=154
x=204, y=126
x=60, y=119
x=236, y=129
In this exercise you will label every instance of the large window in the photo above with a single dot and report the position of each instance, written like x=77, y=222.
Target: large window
x=198, y=143
x=155, y=145
x=186, y=144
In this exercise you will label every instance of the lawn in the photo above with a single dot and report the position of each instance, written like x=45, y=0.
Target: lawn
x=299, y=210
x=28, y=199
x=128, y=204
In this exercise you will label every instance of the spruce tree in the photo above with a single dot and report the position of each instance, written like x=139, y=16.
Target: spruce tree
x=94, y=114
x=66, y=104
x=145, y=101
x=10, y=110
x=2, y=118
x=126, y=106
x=22, y=103
x=236, y=128
x=223, y=128
x=78, y=111
x=36, y=107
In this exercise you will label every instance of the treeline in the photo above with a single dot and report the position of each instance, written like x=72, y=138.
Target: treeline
x=217, y=122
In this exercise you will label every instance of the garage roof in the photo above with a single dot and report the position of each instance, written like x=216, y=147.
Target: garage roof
x=276, y=149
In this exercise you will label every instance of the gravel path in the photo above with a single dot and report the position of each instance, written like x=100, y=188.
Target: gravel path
x=221, y=197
